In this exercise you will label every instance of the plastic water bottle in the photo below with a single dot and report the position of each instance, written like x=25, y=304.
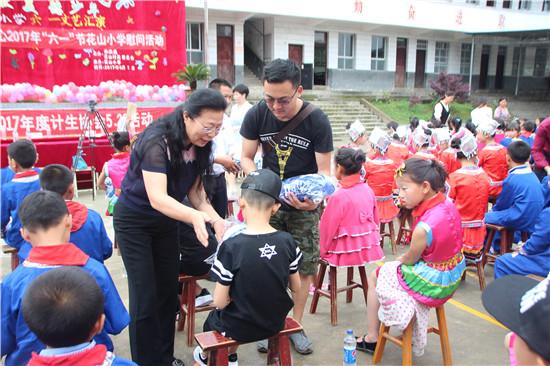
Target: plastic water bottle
x=350, y=353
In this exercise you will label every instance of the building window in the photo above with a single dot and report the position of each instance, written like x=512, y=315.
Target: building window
x=465, y=55
x=524, y=4
x=474, y=2
x=540, y=61
x=490, y=3
x=546, y=5
x=506, y=4
x=194, y=43
x=346, y=51
x=421, y=44
x=441, y=57
x=378, y=53
x=517, y=58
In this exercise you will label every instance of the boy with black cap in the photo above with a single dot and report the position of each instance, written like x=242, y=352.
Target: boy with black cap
x=522, y=305
x=253, y=270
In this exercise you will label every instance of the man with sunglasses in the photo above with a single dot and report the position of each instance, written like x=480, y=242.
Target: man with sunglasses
x=306, y=149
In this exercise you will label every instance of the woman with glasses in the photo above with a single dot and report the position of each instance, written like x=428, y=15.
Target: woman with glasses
x=167, y=163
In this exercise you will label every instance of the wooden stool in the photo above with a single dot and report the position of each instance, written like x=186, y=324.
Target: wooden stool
x=87, y=178
x=406, y=341
x=278, y=350
x=6, y=249
x=476, y=263
x=187, y=305
x=506, y=238
x=390, y=234
x=334, y=290
x=405, y=218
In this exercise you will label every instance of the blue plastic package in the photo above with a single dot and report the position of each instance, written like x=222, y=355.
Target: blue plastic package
x=316, y=187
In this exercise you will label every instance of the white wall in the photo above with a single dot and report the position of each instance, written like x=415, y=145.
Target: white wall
x=293, y=32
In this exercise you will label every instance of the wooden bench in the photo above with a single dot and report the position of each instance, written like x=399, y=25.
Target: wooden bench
x=405, y=342
x=506, y=240
x=216, y=345
x=187, y=305
x=390, y=234
x=404, y=233
x=334, y=290
x=6, y=249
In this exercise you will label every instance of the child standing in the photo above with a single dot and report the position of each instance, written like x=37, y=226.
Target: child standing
x=46, y=225
x=400, y=290
x=349, y=227
x=492, y=159
x=253, y=270
x=115, y=169
x=64, y=308
x=469, y=189
x=22, y=156
x=380, y=175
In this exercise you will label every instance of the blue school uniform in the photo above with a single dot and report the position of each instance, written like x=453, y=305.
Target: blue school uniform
x=13, y=194
x=6, y=175
x=87, y=233
x=88, y=353
x=18, y=342
x=534, y=255
x=519, y=204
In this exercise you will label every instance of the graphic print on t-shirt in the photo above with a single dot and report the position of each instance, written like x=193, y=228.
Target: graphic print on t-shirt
x=267, y=251
x=283, y=150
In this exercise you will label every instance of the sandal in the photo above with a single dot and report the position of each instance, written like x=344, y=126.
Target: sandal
x=363, y=346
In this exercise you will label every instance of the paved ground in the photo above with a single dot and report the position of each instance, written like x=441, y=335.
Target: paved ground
x=475, y=338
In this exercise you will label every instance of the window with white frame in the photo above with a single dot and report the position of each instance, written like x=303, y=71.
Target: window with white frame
x=194, y=43
x=465, y=55
x=524, y=4
x=541, y=54
x=441, y=57
x=346, y=50
x=378, y=53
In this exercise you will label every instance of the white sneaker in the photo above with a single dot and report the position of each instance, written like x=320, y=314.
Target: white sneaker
x=198, y=357
x=203, y=299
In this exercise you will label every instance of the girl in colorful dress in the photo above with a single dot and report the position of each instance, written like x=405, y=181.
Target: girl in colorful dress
x=357, y=135
x=114, y=170
x=349, y=227
x=380, y=176
x=492, y=159
x=421, y=143
x=400, y=290
x=398, y=150
x=447, y=155
x=470, y=193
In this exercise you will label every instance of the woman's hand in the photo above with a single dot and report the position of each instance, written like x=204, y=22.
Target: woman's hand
x=199, y=221
x=219, y=228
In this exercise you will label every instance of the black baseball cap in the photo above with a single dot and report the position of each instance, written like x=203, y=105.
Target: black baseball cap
x=265, y=181
x=522, y=304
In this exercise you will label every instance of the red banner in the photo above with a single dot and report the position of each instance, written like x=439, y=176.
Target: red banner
x=56, y=42
x=37, y=123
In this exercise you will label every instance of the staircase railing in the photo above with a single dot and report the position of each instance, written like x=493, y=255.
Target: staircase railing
x=253, y=62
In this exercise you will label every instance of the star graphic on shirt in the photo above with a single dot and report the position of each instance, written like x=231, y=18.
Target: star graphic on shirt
x=268, y=251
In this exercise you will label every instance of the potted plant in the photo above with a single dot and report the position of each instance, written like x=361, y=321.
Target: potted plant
x=191, y=73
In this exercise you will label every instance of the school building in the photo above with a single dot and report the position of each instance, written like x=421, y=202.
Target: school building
x=374, y=45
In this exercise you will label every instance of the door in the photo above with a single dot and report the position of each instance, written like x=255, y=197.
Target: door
x=484, y=67
x=400, y=63
x=501, y=60
x=295, y=54
x=420, y=69
x=320, y=59
x=226, y=66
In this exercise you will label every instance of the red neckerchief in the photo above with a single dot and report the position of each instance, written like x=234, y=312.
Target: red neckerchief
x=120, y=155
x=428, y=204
x=526, y=134
x=58, y=255
x=28, y=173
x=92, y=356
x=350, y=180
x=79, y=212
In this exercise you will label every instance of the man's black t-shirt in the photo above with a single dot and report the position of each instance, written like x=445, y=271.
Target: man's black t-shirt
x=295, y=154
x=257, y=269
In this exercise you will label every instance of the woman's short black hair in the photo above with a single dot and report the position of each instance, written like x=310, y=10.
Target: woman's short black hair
x=279, y=70
x=56, y=178
x=121, y=140
x=420, y=170
x=351, y=160
x=519, y=151
x=42, y=210
x=62, y=306
x=23, y=152
x=241, y=89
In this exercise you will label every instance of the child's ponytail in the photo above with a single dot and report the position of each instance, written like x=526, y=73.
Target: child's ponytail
x=121, y=140
x=351, y=160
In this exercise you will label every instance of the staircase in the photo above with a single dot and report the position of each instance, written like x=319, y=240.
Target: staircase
x=341, y=112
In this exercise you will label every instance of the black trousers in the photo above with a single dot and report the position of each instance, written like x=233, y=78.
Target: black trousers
x=149, y=248
x=216, y=190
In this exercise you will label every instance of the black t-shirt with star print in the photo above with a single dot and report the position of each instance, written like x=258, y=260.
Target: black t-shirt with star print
x=257, y=269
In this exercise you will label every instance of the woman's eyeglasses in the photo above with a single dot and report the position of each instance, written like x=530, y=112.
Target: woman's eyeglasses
x=283, y=101
x=207, y=129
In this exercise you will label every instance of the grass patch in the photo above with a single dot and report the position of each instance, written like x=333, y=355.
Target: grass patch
x=399, y=110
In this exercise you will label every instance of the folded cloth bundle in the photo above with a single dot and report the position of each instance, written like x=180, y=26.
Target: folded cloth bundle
x=313, y=186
